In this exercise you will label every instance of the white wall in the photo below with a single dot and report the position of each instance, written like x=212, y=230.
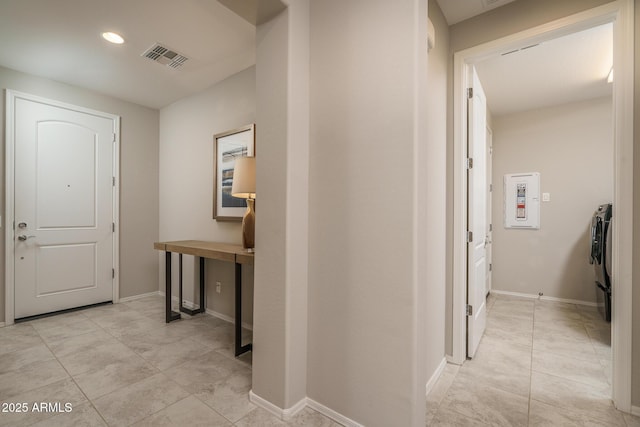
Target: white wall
x=138, y=176
x=270, y=354
x=280, y=334
x=435, y=263
x=186, y=184
x=635, y=381
x=367, y=342
x=572, y=147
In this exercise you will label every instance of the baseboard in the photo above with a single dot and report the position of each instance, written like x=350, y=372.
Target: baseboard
x=436, y=375
x=545, y=298
x=289, y=413
x=335, y=416
x=451, y=360
x=135, y=297
x=229, y=319
x=283, y=414
x=2, y=324
x=191, y=305
x=635, y=410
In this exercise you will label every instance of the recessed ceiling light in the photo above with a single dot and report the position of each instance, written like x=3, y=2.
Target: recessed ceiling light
x=113, y=37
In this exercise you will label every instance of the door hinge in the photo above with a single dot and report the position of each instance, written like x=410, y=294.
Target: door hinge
x=490, y=188
x=113, y=227
x=490, y=227
x=469, y=310
x=113, y=181
x=469, y=236
x=113, y=137
x=469, y=163
x=470, y=93
x=113, y=273
x=490, y=267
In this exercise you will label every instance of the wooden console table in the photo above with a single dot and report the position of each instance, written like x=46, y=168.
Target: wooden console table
x=210, y=250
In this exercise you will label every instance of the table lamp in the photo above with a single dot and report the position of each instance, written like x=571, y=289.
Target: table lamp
x=244, y=187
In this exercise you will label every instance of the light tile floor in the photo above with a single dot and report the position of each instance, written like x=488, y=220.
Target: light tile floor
x=539, y=363
x=121, y=365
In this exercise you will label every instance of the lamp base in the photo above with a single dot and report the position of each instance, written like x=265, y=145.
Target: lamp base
x=249, y=226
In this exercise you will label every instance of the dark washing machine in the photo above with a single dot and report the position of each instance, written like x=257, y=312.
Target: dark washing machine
x=601, y=227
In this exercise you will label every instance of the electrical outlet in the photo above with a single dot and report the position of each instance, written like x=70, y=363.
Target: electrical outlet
x=218, y=287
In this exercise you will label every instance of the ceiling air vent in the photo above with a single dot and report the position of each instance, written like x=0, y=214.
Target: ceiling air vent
x=165, y=56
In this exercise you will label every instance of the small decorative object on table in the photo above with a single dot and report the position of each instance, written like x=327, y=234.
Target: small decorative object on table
x=244, y=187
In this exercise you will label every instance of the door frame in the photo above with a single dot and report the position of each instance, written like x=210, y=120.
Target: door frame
x=621, y=13
x=9, y=275
x=490, y=205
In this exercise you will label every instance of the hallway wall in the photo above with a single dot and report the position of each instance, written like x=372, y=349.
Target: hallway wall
x=367, y=331
x=437, y=78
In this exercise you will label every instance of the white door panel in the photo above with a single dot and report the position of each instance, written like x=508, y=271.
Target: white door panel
x=66, y=175
x=477, y=215
x=63, y=206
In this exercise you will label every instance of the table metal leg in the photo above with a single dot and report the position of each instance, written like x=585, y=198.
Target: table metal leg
x=202, y=285
x=200, y=309
x=169, y=315
x=240, y=349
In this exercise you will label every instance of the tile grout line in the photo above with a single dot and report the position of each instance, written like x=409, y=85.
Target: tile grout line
x=71, y=376
x=533, y=327
x=109, y=334
x=91, y=402
x=179, y=385
x=146, y=361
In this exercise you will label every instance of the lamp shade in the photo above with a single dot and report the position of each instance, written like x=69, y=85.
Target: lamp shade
x=244, y=178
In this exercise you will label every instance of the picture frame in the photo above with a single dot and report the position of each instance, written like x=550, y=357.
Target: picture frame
x=228, y=146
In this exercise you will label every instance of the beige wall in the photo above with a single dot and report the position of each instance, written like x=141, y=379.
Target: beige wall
x=270, y=336
x=437, y=79
x=138, y=176
x=186, y=185
x=635, y=380
x=364, y=300
x=571, y=146
x=280, y=334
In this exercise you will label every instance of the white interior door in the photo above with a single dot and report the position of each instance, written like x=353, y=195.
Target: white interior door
x=63, y=207
x=477, y=214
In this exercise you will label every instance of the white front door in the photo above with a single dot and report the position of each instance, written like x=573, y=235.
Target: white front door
x=477, y=216
x=63, y=207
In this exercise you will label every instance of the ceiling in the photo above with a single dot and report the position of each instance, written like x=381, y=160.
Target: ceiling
x=61, y=40
x=567, y=69
x=36, y=37
x=458, y=10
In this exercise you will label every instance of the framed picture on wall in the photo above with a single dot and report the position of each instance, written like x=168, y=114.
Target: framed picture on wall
x=229, y=146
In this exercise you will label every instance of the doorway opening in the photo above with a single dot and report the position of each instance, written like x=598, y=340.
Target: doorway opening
x=620, y=15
